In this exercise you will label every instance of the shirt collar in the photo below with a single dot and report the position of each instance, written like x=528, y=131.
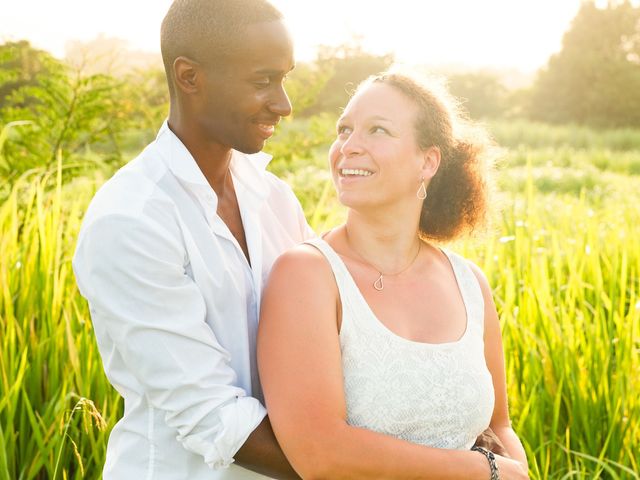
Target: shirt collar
x=248, y=169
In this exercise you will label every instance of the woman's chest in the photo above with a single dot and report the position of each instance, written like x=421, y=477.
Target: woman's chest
x=442, y=398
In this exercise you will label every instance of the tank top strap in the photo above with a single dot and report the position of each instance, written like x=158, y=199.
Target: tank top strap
x=344, y=281
x=469, y=288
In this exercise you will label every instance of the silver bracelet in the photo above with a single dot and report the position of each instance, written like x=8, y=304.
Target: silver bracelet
x=495, y=475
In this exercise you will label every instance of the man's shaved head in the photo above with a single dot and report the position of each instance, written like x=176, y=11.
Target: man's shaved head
x=208, y=30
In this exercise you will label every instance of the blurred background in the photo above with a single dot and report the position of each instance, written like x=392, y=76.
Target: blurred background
x=556, y=83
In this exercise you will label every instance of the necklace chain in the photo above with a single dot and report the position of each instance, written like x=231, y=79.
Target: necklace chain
x=379, y=283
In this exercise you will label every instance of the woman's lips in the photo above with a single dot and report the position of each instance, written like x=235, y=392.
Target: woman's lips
x=348, y=176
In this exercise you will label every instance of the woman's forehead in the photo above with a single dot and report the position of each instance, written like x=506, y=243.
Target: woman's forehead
x=380, y=100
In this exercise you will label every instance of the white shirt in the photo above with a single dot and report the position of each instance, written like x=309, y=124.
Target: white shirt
x=175, y=305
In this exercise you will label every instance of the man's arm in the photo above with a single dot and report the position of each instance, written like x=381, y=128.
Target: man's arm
x=262, y=453
x=151, y=314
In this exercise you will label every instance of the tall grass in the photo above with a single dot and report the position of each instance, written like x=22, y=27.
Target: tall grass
x=56, y=404
x=566, y=283
x=565, y=269
x=515, y=133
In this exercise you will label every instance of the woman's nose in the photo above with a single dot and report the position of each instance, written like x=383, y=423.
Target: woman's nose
x=352, y=145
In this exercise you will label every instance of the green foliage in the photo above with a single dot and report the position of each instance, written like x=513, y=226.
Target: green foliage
x=564, y=267
x=523, y=133
x=20, y=65
x=47, y=350
x=595, y=78
x=88, y=117
x=565, y=277
x=482, y=94
x=564, y=260
x=341, y=69
x=304, y=85
x=301, y=140
x=66, y=112
x=145, y=103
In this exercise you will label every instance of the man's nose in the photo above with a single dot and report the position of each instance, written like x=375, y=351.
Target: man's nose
x=280, y=102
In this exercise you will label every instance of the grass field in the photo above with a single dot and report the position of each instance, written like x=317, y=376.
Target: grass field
x=563, y=257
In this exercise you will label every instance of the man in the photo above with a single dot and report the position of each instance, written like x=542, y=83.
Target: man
x=175, y=247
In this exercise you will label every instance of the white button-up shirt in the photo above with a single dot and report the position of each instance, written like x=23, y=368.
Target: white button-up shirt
x=175, y=305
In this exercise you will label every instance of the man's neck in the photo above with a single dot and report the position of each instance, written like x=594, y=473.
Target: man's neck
x=212, y=158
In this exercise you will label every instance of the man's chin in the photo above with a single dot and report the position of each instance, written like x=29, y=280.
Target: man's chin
x=250, y=148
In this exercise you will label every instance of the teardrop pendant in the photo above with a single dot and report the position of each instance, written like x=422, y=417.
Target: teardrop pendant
x=378, y=284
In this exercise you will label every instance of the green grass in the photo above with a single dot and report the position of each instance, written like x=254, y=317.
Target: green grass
x=56, y=404
x=565, y=278
x=563, y=258
x=515, y=133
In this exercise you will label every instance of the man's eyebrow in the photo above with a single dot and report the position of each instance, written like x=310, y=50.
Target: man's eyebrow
x=272, y=72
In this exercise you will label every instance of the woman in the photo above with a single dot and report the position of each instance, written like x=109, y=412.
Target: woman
x=380, y=354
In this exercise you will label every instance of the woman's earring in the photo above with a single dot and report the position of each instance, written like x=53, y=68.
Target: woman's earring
x=422, y=191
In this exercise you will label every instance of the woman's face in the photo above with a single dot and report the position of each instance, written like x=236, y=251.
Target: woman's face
x=375, y=159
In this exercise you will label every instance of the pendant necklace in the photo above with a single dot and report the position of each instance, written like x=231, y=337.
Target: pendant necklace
x=379, y=283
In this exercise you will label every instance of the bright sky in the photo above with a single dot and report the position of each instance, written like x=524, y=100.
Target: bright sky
x=520, y=34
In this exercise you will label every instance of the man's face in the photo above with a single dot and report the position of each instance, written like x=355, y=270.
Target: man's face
x=244, y=100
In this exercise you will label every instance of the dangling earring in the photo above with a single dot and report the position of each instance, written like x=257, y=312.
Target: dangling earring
x=422, y=191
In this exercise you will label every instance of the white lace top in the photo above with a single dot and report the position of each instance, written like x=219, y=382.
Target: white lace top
x=439, y=395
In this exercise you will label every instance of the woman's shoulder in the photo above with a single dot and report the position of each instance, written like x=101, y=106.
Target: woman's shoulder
x=480, y=276
x=303, y=256
x=303, y=266
x=473, y=268
x=300, y=290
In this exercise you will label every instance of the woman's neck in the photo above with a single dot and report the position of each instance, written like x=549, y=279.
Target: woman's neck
x=387, y=243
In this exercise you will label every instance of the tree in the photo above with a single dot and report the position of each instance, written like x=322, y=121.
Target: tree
x=20, y=66
x=54, y=109
x=341, y=69
x=304, y=84
x=110, y=56
x=595, y=78
x=482, y=94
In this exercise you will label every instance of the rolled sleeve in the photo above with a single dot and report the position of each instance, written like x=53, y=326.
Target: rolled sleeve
x=148, y=311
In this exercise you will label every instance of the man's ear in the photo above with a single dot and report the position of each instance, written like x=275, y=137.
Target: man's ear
x=431, y=162
x=188, y=75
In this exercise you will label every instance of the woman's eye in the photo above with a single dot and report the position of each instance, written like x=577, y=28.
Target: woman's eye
x=343, y=129
x=378, y=129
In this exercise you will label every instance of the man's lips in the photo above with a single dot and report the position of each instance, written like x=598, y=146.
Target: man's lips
x=266, y=130
x=266, y=127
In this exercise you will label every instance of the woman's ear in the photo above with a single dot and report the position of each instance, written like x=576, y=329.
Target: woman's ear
x=188, y=74
x=431, y=162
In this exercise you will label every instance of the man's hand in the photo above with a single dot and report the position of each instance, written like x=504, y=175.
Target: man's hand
x=511, y=469
x=491, y=442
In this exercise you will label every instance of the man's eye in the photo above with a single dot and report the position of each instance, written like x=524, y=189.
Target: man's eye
x=262, y=83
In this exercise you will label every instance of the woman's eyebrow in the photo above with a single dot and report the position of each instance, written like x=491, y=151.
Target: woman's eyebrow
x=380, y=117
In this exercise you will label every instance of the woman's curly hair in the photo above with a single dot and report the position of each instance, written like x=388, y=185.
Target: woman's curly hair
x=458, y=195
